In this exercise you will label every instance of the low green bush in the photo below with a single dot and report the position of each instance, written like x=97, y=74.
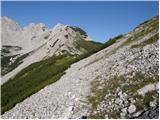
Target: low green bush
x=32, y=79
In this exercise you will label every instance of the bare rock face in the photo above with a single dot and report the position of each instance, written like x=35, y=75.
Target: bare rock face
x=39, y=42
x=148, y=88
x=10, y=31
x=34, y=36
x=111, y=83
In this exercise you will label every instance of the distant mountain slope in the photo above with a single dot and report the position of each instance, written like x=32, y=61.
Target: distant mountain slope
x=120, y=81
x=36, y=43
x=29, y=38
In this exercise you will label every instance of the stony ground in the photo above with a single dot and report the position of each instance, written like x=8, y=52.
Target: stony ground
x=120, y=81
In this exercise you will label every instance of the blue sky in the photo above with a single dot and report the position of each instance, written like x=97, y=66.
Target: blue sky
x=101, y=20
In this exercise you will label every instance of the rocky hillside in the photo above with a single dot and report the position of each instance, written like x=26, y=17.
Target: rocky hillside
x=120, y=81
x=57, y=40
x=24, y=46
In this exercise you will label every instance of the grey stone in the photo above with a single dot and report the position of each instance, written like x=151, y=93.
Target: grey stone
x=119, y=101
x=132, y=108
x=124, y=110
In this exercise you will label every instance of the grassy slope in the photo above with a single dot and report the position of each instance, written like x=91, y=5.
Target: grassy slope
x=98, y=95
x=77, y=29
x=32, y=79
x=87, y=45
x=38, y=75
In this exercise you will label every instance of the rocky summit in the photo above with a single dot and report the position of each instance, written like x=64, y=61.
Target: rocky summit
x=36, y=42
x=119, y=80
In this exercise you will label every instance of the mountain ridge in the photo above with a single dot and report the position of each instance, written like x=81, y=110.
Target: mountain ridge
x=118, y=80
x=39, y=43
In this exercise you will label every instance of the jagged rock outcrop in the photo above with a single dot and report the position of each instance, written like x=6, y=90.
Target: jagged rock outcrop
x=10, y=32
x=37, y=42
x=108, y=84
x=34, y=36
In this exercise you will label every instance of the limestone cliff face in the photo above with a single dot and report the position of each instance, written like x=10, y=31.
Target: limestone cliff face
x=33, y=36
x=37, y=42
x=120, y=81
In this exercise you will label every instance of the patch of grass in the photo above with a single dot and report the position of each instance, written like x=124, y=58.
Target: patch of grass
x=110, y=87
x=144, y=101
x=62, y=61
x=135, y=46
x=151, y=40
x=139, y=103
x=127, y=42
x=148, y=98
x=32, y=79
x=96, y=116
x=143, y=80
x=98, y=95
x=148, y=26
x=77, y=29
x=112, y=41
x=93, y=47
x=94, y=100
x=89, y=46
x=114, y=115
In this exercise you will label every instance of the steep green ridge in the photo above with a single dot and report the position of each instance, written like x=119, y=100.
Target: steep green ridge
x=77, y=29
x=83, y=45
x=87, y=45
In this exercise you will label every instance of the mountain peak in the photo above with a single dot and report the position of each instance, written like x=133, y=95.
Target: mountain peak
x=6, y=21
x=6, y=18
x=59, y=24
x=36, y=24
